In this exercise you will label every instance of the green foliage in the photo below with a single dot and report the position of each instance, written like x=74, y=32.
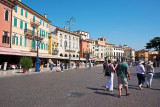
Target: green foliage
x=26, y=62
x=79, y=52
x=95, y=62
x=154, y=43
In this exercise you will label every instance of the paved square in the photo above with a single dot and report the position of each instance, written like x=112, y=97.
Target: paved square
x=74, y=88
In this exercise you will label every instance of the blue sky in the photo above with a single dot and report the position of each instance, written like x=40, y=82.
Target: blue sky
x=131, y=22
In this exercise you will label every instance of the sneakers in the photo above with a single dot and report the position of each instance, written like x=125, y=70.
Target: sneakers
x=119, y=96
x=127, y=94
x=140, y=88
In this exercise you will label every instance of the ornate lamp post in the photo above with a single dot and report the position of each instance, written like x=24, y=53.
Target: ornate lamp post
x=68, y=23
x=37, y=62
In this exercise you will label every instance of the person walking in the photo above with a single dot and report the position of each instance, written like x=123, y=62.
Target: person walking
x=61, y=66
x=110, y=67
x=104, y=66
x=140, y=74
x=89, y=65
x=77, y=65
x=51, y=65
x=149, y=72
x=123, y=74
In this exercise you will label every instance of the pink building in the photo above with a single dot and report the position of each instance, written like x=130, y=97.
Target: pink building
x=6, y=7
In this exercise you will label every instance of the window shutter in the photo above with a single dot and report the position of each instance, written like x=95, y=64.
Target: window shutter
x=13, y=40
x=26, y=14
x=25, y=25
x=21, y=24
x=21, y=41
x=15, y=22
x=16, y=40
x=40, y=33
x=15, y=8
x=33, y=18
x=25, y=41
x=44, y=46
x=22, y=11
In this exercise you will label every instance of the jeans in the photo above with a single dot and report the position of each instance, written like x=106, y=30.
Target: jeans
x=149, y=79
x=109, y=84
x=141, y=78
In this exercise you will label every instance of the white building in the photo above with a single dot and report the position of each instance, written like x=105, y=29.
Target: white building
x=118, y=52
x=84, y=35
x=65, y=39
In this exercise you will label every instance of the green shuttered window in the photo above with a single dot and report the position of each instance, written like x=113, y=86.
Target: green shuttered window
x=26, y=14
x=25, y=27
x=21, y=40
x=15, y=8
x=21, y=24
x=15, y=22
x=25, y=41
x=22, y=11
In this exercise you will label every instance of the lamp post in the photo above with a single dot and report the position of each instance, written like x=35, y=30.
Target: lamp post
x=68, y=23
x=37, y=62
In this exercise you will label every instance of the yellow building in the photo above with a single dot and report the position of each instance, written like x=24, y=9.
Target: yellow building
x=53, y=44
x=25, y=25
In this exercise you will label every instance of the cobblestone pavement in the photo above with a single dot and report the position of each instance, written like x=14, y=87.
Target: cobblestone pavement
x=74, y=88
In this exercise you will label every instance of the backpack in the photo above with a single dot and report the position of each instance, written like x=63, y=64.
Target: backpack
x=108, y=71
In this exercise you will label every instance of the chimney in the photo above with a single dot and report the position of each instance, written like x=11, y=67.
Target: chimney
x=45, y=15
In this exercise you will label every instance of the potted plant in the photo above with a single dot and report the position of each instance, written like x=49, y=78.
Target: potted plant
x=26, y=63
x=95, y=62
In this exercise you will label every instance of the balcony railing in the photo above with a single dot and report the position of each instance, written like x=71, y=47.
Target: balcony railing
x=34, y=22
x=30, y=34
x=33, y=49
x=55, y=52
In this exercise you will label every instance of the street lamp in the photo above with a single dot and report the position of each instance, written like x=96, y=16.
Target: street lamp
x=68, y=23
x=37, y=62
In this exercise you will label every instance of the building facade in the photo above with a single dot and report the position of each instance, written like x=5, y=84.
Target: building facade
x=142, y=55
x=26, y=24
x=118, y=52
x=6, y=7
x=69, y=43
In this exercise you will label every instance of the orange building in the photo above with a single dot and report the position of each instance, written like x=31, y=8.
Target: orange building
x=6, y=7
x=84, y=48
x=142, y=55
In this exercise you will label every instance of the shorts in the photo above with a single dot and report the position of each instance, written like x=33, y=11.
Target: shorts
x=122, y=81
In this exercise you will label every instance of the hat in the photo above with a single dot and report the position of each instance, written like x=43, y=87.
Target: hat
x=150, y=63
x=140, y=62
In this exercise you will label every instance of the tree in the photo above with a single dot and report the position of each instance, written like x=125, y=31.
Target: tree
x=79, y=52
x=154, y=43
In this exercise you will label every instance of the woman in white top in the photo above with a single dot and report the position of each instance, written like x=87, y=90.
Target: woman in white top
x=140, y=74
x=149, y=71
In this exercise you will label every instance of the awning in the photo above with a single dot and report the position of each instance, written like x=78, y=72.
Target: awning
x=10, y=51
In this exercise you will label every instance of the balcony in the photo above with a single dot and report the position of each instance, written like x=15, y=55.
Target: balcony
x=34, y=23
x=30, y=34
x=33, y=49
x=55, y=52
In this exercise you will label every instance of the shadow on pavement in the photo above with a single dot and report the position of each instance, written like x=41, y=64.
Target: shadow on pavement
x=104, y=93
x=96, y=89
x=155, y=89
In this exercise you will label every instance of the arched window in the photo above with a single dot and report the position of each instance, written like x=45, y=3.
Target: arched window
x=6, y=15
x=61, y=55
x=65, y=55
x=77, y=56
x=73, y=55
